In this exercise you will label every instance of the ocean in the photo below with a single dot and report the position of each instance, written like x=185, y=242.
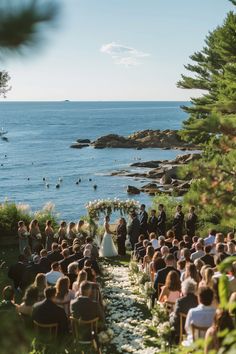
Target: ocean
x=40, y=135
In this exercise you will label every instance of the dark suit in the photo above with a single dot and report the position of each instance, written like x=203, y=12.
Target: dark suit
x=161, y=223
x=17, y=274
x=94, y=265
x=54, y=257
x=44, y=265
x=46, y=312
x=191, y=224
x=208, y=259
x=64, y=264
x=134, y=231
x=152, y=224
x=121, y=233
x=86, y=309
x=143, y=219
x=75, y=256
x=162, y=274
x=178, y=224
x=183, y=305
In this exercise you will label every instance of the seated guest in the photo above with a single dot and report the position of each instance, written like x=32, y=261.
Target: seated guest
x=161, y=243
x=33, y=269
x=210, y=239
x=153, y=240
x=141, y=251
x=181, y=267
x=30, y=298
x=94, y=250
x=157, y=262
x=208, y=258
x=165, y=251
x=139, y=243
x=82, y=276
x=77, y=253
x=170, y=292
x=27, y=255
x=219, y=238
x=54, y=274
x=83, y=307
x=203, y=314
x=147, y=259
x=170, y=236
x=72, y=272
x=47, y=312
x=181, y=246
x=199, y=252
x=162, y=273
x=230, y=237
x=40, y=283
x=8, y=302
x=174, y=246
x=184, y=304
x=44, y=263
x=194, y=242
x=231, y=249
x=55, y=254
x=65, y=261
x=198, y=264
x=186, y=255
x=17, y=273
x=222, y=321
x=91, y=275
x=191, y=272
x=187, y=241
x=63, y=294
x=207, y=275
x=220, y=249
x=87, y=256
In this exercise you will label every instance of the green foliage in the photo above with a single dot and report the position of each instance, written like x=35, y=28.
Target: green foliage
x=4, y=86
x=11, y=213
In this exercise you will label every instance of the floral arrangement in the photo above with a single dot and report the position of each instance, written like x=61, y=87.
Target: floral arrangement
x=107, y=206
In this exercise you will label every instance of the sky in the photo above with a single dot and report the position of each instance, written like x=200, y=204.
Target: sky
x=115, y=50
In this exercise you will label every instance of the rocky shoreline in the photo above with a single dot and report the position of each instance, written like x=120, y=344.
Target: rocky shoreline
x=162, y=139
x=163, y=175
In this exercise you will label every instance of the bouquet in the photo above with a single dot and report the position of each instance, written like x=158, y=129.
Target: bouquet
x=56, y=236
x=26, y=234
x=38, y=236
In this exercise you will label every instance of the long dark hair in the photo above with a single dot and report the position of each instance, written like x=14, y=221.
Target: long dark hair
x=173, y=281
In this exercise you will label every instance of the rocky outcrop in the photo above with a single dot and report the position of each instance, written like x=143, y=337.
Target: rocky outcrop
x=133, y=190
x=163, y=139
x=79, y=145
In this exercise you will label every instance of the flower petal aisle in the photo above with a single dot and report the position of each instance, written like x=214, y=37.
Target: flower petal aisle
x=127, y=316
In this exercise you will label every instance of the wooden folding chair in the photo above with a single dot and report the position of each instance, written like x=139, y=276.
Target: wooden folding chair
x=159, y=286
x=182, y=319
x=199, y=330
x=46, y=332
x=78, y=325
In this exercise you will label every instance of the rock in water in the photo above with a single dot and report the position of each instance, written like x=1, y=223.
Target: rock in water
x=133, y=190
x=165, y=179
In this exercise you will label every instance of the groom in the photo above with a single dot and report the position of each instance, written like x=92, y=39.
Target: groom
x=134, y=229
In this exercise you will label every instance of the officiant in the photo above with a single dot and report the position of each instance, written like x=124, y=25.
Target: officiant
x=121, y=233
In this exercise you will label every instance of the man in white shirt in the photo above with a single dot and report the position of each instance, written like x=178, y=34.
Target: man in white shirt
x=54, y=274
x=199, y=252
x=210, y=239
x=202, y=315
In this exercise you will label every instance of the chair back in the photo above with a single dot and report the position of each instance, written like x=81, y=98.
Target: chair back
x=169, y=306
x=65, y=306
x=182, y=320
x=46, y=331
x=198, y=331
x=84, y=331
x=159, y=286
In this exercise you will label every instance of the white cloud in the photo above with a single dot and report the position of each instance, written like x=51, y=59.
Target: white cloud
x=122, y=54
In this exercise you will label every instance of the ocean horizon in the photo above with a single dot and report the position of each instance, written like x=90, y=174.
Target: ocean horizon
x=40, y=134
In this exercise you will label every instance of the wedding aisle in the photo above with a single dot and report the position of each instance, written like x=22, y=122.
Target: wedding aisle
x=127, y=316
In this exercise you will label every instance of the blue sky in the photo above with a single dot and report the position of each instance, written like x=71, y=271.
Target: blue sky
x=116, y=50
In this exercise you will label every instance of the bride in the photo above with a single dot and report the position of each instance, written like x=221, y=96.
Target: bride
x=107, y=248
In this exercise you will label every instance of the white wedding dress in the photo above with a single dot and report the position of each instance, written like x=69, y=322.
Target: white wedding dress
x=107, y=247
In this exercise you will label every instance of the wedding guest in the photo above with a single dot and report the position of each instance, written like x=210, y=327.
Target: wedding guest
x=157, y=262
x=161, y=221
x=141, y=251
x=191, y=272
x=178, y=223
x=44, y=263
x=91, y=275
x=174, y=247
x=55, y=254
x=199, y=252
x=170, y=292
x=82, y=276
x=152, y=222
x=208, y=258
x=170, y=236
x=191, y=222
x=161, y=243
x=203, y=314
x=23, y=236
x=65, y=261
x=138, y=244
x=40, y=283
x=184, y=304
x=77, y=253
x=121, y=233
x=230, y=237
x=187, y=241
x=49, y=233
x=143, y=219
x=72, y=272
x=165, y=251
x=63, y=294
x=8, y=296
x=17, y=273
x=71, y=232
x=207, y=277
x=30, y=298
x=222, y=321
x=148, y=258
x=27, y=254
x=35, y=236
x=134, y=230
x=54, y=274
x=231, y=249
x=62, y=231
x=210, y=239
x=47, y=312
x=83, y=307
x=94, y=249
x=162, y=273
x=153, y=240
x=81, y=234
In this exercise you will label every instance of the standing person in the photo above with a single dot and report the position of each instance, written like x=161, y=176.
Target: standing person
x=143, y=219
x=152, y=222
x=121, y=232
x=23, y=236
x=178, y=223
x=161, y=221
x=191, y=222
x=62, y=232
x=108, y=248
x=71, y=232
x=49, y=233
x=17, y=273
x=35, y=236
x=134, y=229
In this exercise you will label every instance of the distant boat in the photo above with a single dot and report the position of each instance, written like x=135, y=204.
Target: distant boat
x=67, y=101
x=3, y=132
